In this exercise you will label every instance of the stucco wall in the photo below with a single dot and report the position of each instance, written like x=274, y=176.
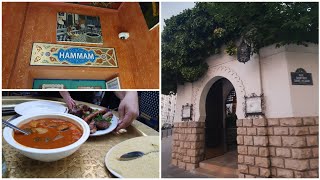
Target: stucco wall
x=281, y=98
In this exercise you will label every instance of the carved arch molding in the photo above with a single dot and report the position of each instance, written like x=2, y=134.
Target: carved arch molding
x=200, y=90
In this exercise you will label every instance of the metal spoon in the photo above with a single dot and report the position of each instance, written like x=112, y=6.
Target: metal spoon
x=134, y=155
x=14, y=127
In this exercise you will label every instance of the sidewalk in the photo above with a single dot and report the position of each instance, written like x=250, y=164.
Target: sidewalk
x=167, y=170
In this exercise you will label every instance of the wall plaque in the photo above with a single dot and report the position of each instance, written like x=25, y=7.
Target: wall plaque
x=65, y=55
x=186, y=112
x=301, y=77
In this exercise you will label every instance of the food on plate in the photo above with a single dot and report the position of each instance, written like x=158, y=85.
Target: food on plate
x=48, y=133
x=97, y=119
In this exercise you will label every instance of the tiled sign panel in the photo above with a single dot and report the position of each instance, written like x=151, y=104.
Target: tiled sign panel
x=66, y=55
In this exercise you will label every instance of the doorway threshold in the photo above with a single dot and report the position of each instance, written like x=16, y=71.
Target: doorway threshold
x=224, y=166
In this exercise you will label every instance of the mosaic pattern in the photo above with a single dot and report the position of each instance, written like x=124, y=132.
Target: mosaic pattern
x=66, y=55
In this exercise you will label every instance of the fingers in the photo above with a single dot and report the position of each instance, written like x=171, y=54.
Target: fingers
x=125, y=122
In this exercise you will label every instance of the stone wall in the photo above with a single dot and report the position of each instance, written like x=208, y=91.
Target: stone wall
x=188, y=144
x=283, y=147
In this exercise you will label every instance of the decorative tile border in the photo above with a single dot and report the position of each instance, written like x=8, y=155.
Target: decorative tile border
x=44, y=54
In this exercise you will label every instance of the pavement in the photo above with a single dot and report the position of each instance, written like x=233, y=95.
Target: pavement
x=168, y=170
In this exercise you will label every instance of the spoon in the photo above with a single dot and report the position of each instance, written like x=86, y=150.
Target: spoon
x=15, y=127
x=134, y=155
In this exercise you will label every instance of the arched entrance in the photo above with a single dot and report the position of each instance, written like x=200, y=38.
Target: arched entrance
x=220, y=122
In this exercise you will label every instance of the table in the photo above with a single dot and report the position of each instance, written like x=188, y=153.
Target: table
x=87, y=162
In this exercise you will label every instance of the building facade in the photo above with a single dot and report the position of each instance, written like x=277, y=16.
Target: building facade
x=275, y=113
x=168, y=109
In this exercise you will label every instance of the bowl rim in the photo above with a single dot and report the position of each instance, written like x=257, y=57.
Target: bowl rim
x=8, y=134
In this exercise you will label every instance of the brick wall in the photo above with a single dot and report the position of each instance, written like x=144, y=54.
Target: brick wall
x=283, y=147
x=188, y=144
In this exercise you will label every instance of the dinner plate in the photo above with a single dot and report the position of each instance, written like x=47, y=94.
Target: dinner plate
x=114, y=123
x=36, y=107
x=142, y=166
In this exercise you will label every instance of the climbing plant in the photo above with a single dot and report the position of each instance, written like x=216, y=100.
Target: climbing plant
x=189, y=38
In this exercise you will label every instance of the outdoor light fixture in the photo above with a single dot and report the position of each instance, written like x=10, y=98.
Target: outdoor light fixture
x=243, y=52
x=186, y=112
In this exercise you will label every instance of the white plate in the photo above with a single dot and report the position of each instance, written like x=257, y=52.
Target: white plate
x=114, y=123
x=36, y=107
x=136, y=141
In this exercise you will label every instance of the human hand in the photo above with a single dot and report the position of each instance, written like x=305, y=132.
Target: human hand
x=128, y=109
x=68, y=99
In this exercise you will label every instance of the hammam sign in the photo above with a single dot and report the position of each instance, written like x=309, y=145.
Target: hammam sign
x=65, y=55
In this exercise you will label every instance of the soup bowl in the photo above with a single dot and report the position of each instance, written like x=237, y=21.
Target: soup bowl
x=47, y=155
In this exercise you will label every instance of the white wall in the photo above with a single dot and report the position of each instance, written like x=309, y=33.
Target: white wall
x=305, y=98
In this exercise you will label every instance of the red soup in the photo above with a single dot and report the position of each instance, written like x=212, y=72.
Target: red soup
x=48, y=133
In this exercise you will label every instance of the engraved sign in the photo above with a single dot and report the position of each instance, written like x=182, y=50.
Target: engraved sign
x=65, y=55
x=301, y=77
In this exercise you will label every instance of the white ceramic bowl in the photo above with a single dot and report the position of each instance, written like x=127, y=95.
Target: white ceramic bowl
x=47, y=155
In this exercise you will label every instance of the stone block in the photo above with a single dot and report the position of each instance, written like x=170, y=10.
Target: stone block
x=193, y=130
x=192, y=137
x=174, y=162
x=252, y=150
x=263, y=151
x=280, y=131
x=247, y=140
x=312, y=140
x=299, y=131
x=264, y=172
x=191, y=152
x=181, y=165
x=188, y=131
x=240, y=175
x=176, y=136
x=249, y=176
x=239, y=122
x=283, y=152
x=275, y=140
x=277, y=162
x=312, y=174
x=201, y=137
x=186, y=159
x=261, y=131
x=291, y=122
x=241, y=131
x=260, y=140
x=273, y=171
x=294, y=141
x=314, y=163
x=251, y=131
x=284, y=173
x=308, y=121
x=240, y=159
x=270, y=131
x=247, y=122
x=239, y=139
x=295, y=164
x=301, y=153
x=187, y=145
x=242, y=150
x=243, y=168
x=314, y=129
x=272, y=151
x=315, y=152
x=259, y=122
x=190, y=166
x=316, y=120
x=262, y=162
x=273, y=122
x=253, y=170
x=249, y=160
x=183, y=151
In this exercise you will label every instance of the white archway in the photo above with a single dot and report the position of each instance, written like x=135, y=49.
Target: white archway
x=205, y=83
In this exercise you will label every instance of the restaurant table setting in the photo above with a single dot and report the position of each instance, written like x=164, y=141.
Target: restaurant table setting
x=96, y=157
